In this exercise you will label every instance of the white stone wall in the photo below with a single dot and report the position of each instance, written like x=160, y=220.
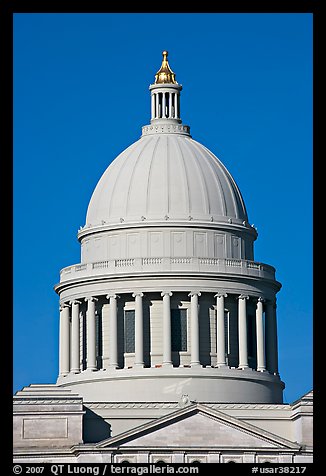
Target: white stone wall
x=166, y=242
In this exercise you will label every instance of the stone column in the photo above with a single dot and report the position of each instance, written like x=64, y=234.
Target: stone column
x=153, y=105
x=271, y=337
x=220, y=330
x=139, y=330
x=163, y=105
x=194, y=329
x=64, y=342
x=91, y=333
x=261, y=364
x=170, y=105
x=157, y=105
x=167, y=353
x=113, y=331
x=75, y=337
x=176, y=105
x=242, y=328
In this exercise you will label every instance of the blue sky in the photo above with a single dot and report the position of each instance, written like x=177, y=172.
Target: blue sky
x=80, y=98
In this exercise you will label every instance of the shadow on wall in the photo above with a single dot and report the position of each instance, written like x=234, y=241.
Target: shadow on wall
x=95, y=429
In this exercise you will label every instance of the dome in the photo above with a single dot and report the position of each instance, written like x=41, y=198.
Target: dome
x=167, y=295
x=165, y=176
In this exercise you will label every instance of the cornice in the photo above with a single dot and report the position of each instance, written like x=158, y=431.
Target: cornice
x=215, y=223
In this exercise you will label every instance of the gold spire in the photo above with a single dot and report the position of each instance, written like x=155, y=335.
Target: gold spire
x=165, y=74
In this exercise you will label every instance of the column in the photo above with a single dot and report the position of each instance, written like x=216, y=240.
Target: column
x=91, y=333
x=242, y=328
x=261, y=364
x=64, y=349
x=170, y=105
x=167, y=355
x=139, y=330
x=220, y=330
x=163, y=105
x=176, y=106
x=157, y=106
x=194, y=329
x=271, y=337
x=75, y=337
x=153, y=105
x=113, y=331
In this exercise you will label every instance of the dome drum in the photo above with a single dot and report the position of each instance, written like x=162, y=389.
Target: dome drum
x=168, y=242
x=153, y=378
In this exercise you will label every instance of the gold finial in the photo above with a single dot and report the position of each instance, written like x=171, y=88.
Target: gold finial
x=165, y=73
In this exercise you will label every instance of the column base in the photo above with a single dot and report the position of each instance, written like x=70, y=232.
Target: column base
x=217, y=366
x=195, y=364
x=139, y=365
x=167, y=364
x=75, y=371
x=261, y=369
x=112, y=367
x=243, y=367
x=91, y=369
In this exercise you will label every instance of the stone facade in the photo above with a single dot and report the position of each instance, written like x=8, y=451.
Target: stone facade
x=176, y=432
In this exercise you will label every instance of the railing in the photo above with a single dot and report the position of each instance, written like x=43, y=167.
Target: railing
x=124, y=262
x=147, y=261
x=169, y=264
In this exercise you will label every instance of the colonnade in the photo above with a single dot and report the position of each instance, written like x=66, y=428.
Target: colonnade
x=165, y=105
x=266, y=332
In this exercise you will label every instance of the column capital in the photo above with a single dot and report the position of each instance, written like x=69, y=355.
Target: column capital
x=220, y=294
x=194, y=293
x=140, y=294
x=115, y=296
x=63, y=306
x=91, y=298
x=261, y=299
x=74, y=302
x=164, y=293
x=243, y=296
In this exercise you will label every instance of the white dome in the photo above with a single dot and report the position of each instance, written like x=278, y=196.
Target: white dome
x=165, y=176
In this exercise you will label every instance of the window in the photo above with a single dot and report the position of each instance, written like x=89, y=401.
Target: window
x=129, y=332
x=178, y=330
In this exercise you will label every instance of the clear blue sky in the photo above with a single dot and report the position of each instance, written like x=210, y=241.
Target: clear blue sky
x=80, y=98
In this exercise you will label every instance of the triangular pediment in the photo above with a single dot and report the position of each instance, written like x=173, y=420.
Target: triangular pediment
x=197, y=426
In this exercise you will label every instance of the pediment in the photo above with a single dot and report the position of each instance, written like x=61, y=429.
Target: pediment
x=197, y=426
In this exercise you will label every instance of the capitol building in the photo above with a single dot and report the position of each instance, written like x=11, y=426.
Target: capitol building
x=168, y=345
